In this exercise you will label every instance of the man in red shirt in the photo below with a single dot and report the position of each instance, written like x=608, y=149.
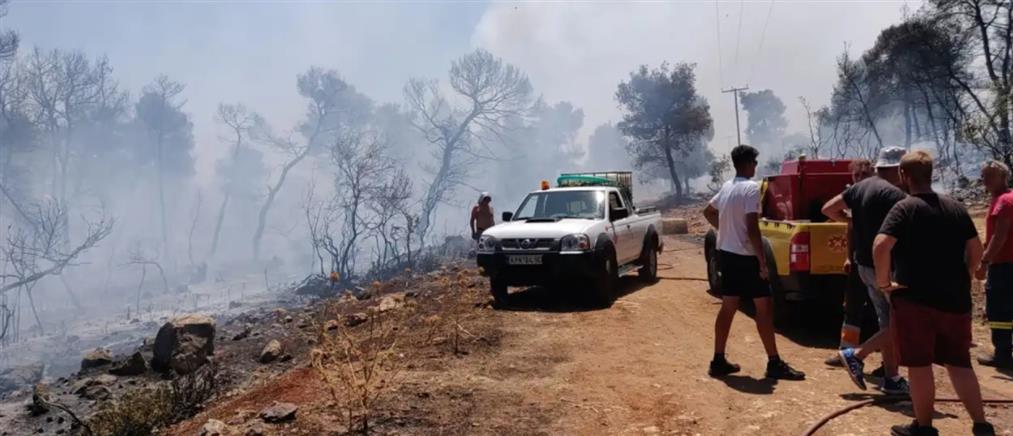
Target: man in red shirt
x=997, y=264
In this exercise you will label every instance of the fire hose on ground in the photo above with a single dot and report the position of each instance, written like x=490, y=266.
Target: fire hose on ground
x=883, y=400
x=851, y=407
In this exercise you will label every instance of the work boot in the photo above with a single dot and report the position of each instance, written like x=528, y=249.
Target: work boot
x=913, y=429
x=722, y=367
x=996, y=361
x=983, y=429
x=780, y=370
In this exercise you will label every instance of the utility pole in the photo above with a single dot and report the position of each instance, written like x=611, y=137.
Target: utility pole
x=735, y=93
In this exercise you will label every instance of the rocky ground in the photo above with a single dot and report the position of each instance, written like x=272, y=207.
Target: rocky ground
x=443, y=361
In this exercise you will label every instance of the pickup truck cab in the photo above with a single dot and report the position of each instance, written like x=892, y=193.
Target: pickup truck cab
x=805, y=251
x=585, y=232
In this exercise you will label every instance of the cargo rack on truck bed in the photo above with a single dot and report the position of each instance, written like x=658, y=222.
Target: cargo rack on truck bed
x=619, y=179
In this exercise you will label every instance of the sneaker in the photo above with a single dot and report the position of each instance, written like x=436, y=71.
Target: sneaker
x=834, y=360
x=780, y=370
x=854, y=366
x=879, y=372
x=983, y=429
x=913, y=429
x=722, y=368
x=996, y=362
x=898, y=387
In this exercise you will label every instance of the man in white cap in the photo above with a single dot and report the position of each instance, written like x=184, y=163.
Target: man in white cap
x=869, y=201
x=482, y=216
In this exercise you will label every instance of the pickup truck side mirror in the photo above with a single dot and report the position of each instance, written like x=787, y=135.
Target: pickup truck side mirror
x=618, y=214
x=507, y=216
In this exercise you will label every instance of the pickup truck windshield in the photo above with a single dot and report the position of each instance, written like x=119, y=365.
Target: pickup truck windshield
x=554, y=206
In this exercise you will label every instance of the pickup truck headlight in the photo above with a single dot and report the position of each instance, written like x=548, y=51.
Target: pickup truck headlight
x=575, y=243
x=487, y=244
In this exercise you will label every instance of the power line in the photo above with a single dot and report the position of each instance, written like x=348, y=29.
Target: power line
x=763, y=38
x=717, y=22
x=738, y=33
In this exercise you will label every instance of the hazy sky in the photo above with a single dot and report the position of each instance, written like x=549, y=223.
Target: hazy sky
x=250, y=52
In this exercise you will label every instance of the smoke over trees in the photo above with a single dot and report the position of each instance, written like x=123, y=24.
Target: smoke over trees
x=547, y=132
x=606, y=149
x=332, y=104
x=242, y=171
x=8, y=38
x=493, y=92
x=159, y=113
x=765, y=121
x=665, y=118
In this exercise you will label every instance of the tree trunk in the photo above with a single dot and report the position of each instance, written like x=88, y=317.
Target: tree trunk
x=218, y=225
x=435, y=194
x=70, y=292
x=272, y=192
x=144, y=274
x=672, y=172
x=35, y=313
x=907, y=125
x=161, y=193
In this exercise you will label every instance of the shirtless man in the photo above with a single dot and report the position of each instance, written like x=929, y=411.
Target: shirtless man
x=481, y=216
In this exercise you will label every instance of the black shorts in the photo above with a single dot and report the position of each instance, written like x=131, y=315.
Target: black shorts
x=740, y=276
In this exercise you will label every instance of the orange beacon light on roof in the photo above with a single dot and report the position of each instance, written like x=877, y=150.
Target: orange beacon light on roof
x=545, y=185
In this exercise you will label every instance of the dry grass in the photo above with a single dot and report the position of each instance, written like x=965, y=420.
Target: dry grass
x=359, y=365
x=140, y=412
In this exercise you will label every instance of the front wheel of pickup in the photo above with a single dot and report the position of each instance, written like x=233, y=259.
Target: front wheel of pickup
x=499, y=292
x=604, y=287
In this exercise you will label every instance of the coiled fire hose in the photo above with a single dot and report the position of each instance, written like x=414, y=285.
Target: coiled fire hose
x=883, y=400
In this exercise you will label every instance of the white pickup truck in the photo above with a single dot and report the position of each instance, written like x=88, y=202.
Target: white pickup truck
x=585, y=233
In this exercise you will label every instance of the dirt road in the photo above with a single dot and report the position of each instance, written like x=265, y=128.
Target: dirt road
x=639, y=367
x=548, y=366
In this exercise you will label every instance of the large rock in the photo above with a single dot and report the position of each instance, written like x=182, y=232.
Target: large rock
x=354, y=319
x=133, y=365
x=674, y=226
x=95, y=388
x=184, y=344
x=102, y=380
x=391, y=302
x=279, y=412
x=271, y=351
x=214, y=427
x=12, y=379
x=40, y=400
x=96, y=358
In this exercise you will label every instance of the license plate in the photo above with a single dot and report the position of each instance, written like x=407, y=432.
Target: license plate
x=525, y=260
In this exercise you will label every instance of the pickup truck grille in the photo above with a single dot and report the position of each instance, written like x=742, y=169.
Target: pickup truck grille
x=527, y=244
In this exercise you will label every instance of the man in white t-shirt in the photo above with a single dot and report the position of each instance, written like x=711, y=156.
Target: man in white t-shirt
x=735, y=213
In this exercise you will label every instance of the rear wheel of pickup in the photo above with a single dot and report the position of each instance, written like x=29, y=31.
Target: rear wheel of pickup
x=499, y=292
x=649, y=259
x=604, y=287
x=710, y=251
x=782, y=310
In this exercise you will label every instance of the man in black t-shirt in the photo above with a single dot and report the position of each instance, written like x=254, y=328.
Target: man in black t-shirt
x=869, y=201
x=935, y=247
